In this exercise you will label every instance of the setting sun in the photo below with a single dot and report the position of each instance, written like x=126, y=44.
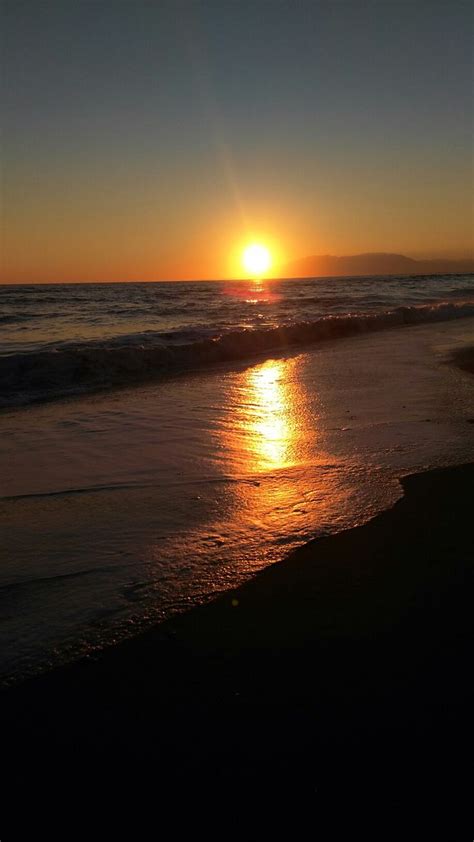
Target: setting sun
x=256, y=259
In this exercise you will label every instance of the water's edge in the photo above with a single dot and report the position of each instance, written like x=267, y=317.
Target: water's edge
x=85, y=368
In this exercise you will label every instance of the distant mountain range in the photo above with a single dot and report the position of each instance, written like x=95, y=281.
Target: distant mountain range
x=372, y=264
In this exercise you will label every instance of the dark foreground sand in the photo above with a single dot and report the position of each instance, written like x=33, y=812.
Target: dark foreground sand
x=464, y=358
x=334, y=688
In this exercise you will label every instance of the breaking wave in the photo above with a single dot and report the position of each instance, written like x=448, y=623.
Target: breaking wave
x=80, y=368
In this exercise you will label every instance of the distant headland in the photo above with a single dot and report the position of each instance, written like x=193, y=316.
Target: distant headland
x=373, y=263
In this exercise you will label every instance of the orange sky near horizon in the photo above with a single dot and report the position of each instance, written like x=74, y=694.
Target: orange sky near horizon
x=46, y=239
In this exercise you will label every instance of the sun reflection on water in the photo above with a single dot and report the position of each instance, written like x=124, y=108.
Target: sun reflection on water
x=268, y=437
x=268, y=426
x=273, y=440
x=271, y=425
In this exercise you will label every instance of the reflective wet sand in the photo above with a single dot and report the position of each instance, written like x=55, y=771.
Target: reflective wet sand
x=136, y=504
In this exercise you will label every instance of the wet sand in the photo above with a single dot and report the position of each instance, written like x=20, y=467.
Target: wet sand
x=333, y=688
x=464, y=358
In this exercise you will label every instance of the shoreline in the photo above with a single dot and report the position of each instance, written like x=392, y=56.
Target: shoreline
x=339, y=672
x=74, y=370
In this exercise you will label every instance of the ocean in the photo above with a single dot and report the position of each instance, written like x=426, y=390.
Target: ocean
x=58, y=340
x=161, y=443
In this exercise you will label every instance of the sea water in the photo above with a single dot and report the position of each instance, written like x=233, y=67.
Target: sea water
x=58, y=340
x=120, y=507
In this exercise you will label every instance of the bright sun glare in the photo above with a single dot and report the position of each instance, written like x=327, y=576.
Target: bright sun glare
x=256, y=259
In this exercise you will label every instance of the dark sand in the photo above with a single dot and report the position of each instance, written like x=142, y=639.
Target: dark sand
x=332, y=689
x=464, y=358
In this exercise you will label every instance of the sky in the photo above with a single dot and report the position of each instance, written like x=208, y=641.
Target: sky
x=153, y=140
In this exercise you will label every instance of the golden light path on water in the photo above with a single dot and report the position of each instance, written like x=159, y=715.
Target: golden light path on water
x=266, y=414
x=269, y=407
x=272, y=444
x=271, y=428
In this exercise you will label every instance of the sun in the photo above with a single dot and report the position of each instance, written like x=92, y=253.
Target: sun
x=256, y=259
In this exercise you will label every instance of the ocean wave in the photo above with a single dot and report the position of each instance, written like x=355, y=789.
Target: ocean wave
x=15, y=318
x=79, y=368
x=460, y=292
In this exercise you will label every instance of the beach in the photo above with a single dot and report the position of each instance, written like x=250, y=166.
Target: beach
x=333, y=684
x=120, y=510
x=236, y=421
x=337, y=678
